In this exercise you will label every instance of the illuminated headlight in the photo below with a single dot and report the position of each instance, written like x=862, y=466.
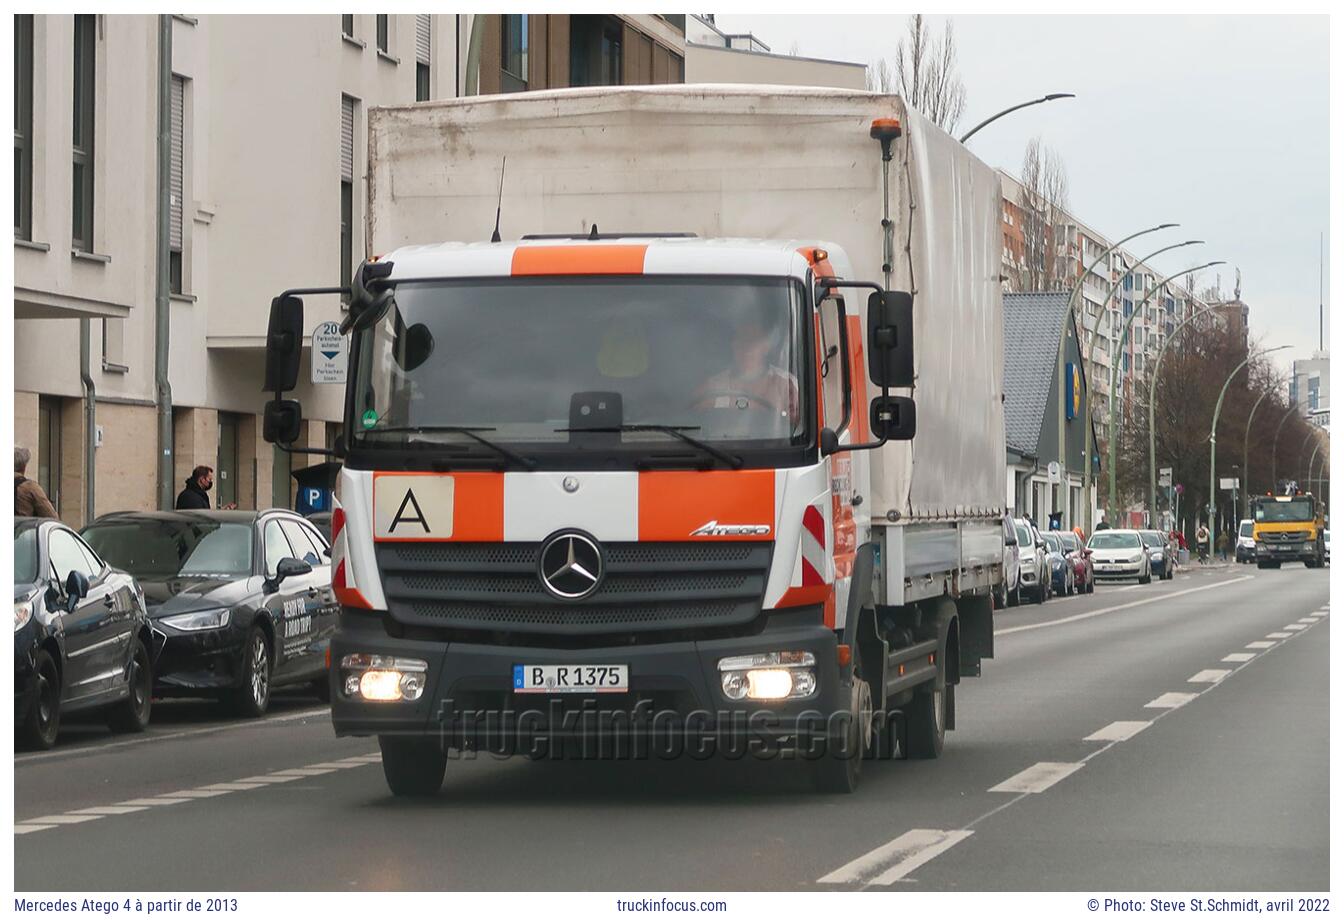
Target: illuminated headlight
x=201, y=619
x=769, y=676
x=23, y=612
x=383, y=678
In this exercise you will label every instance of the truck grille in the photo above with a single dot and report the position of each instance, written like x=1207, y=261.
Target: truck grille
x=646, y=587
x=1285, y=536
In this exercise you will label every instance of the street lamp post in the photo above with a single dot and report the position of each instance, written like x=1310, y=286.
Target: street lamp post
x=1246, y=456
x=1213, y=442
x=1152, y=399
x=1091, y=357
x=1061, y=503
x=1274, y=454
x=1115, y=376
x=1021, y=105
x=1312, y=463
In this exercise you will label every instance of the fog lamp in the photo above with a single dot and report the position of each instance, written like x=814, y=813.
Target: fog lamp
x=769, y=676
x=383, y=678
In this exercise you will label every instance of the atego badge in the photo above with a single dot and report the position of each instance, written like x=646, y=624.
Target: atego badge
x=412, y=507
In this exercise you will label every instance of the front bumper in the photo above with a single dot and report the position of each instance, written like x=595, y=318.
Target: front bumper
x=1285, y=552
x=675, y=692
x=198, y=663
x=1118, y=571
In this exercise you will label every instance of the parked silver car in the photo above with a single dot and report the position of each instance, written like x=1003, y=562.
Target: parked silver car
x=1010, y=592
x=1033, y=561
x=1120, y=554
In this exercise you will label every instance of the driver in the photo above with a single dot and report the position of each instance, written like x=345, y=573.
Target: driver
x=755, y=380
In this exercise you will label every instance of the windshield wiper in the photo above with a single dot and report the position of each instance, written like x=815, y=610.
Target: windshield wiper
x=676, y=431
x=525, y=462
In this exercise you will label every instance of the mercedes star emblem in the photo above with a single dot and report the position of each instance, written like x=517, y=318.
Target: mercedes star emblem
x=570, y=566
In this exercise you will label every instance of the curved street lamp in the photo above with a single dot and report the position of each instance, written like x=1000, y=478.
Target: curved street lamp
x=1021, y=105
x=1060, y=503
x=1312, y=463
x=1274, y=454
x=1152, y=400
x=1246, y=455
x=1115, y=375
x=1213, y=441
x=1088, y=443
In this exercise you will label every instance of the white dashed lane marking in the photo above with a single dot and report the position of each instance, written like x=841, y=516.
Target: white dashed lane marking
x=1170, y=701
x=1118, y=731
x=893, y=861
x=109, y=810
x=29, y=828
x=1278, y=635
x=1296, y=627
x=63, y=819
x=156, y=800
x=1209, y=676
x=1037, y=778
x=1238, y=657
x=1260, y=643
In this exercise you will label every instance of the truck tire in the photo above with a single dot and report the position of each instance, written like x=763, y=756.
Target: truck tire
x=1268, y=565
x=413, y=767
x=926, y=723
x=837, y=769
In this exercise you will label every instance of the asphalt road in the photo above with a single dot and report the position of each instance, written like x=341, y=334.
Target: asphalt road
x=1166, y=737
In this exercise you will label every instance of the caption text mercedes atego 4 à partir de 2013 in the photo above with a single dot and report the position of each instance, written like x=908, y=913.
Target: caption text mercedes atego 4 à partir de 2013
x=659, y=487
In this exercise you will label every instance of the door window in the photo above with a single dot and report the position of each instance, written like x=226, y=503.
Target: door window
x=277, y=547
x=68, y=555
x=302, y=543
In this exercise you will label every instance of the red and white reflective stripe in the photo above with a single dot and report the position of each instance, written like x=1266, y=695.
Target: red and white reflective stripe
x=342, y=585
x=812, y=546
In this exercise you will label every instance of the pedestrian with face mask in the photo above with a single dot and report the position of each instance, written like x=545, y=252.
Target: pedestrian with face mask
x=196, y=497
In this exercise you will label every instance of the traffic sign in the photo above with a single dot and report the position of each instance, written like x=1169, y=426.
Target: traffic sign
x=1052, y=472
x=1164, y=477
x=1226, y=483
x=330, y=354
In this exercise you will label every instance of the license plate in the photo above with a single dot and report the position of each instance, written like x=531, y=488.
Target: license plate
x=571, y=678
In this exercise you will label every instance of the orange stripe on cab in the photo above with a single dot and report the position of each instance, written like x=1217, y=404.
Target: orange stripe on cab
x=579, y=260
x=710, y=505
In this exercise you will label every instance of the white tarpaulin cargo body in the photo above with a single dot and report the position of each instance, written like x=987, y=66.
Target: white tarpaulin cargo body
x=626, y=454
x=734, y=161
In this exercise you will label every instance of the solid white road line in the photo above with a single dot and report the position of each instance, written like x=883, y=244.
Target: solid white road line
x=1105, y=610
x=150, y=739
x=1170, y=701
x=1118, y=731
x=1209, y=676
x=1261, y=643
x=29, y=828
x=1278, y=635
x=108, y=810
x=1037, y=778
x=893, y=861
x=1238, y=657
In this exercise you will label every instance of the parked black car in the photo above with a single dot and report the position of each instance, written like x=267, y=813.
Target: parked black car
x=82, y=638
x=243, y=598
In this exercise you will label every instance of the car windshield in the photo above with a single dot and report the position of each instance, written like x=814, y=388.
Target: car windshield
x=25, y=555
x=1114, y=540
x=554, y=366
x=1153, y=539
x=158, y=549
x=1246, y=528
x=1024, y=536
x=1272, y=511
x=1052, y=541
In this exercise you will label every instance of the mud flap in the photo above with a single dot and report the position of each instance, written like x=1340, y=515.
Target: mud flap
x=976, y=616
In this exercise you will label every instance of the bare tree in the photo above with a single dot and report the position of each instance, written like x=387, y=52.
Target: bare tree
x=924, y=73
x=1044, y=201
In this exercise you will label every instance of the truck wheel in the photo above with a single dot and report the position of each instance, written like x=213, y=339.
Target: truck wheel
x=254, y=695
x=926, y=722
x=837, y=769
x=412, y=766
x=44, y=717
x=132, y=713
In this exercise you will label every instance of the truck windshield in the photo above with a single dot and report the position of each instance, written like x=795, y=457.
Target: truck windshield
x=555, y=365
x=1298, y=509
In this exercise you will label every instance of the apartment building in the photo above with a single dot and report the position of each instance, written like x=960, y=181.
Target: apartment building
x=715, y=56
x=1310, y=386
x=267, y=118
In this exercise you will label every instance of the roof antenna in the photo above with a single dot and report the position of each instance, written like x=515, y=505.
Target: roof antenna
x=499, y=203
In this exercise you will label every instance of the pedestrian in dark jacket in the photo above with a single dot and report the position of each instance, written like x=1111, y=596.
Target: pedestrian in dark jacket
x=195, y=497
x=29, y=499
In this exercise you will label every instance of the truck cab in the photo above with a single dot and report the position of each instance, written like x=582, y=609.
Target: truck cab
x=1289, y=528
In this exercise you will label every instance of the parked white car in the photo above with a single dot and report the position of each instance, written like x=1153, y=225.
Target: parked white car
x=1120, y=554
x=1010, y=593
x=1033, y=563
x=1245, y=542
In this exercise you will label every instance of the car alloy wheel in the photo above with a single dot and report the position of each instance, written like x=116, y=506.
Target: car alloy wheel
x=261, y=671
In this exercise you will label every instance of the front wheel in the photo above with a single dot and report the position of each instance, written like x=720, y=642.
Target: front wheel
x=254, y=696
x=926, y=722
x=412, y=766
x=43, y=723
x=131, y=715
x=837, y=769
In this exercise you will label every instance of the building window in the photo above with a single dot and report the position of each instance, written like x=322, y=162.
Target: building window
x=176, y=124
x=422, y=59
x=348, y=25
x=23, y=126
x=595, y=54
x=347, y=155
x=513, y=43
x=382, y=33
x=49, y=448
x=82, y=176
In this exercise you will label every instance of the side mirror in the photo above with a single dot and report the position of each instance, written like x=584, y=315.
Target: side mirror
x=829, y=441
x=76, y=589
x=892, y=417
x=282, y=421
x=289, y=567
x=891, y=339
x=284, y=344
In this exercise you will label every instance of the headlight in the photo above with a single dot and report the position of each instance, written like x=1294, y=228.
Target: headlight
x=1259, y=546
x=23, y=612
x=769, y=676
x=201, y=619
x=383, y=678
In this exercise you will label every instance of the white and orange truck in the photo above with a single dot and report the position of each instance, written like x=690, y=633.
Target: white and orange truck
x=661, y=484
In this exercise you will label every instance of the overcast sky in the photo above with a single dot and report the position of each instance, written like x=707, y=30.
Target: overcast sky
x=1220, y=123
